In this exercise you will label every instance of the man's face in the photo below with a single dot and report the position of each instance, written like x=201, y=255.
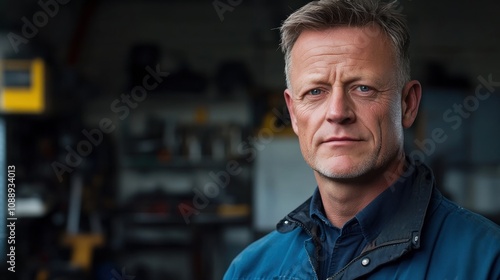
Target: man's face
x=345, y=101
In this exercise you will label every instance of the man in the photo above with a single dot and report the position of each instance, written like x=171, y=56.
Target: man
x=375, y=213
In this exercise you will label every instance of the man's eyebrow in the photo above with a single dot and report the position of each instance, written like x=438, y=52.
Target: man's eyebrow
x=372, y=78
x=315, y=78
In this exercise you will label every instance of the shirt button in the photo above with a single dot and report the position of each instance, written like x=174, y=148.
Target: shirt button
x=285, y=222
x=365, y=261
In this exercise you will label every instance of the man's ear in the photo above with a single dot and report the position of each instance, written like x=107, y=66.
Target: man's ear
x=289, y=104
x=412, y=93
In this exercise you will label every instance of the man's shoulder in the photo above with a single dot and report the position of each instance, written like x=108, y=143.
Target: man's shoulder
x=265, y=255
x=462, y=241
x=460, y=220
x=268, y=242
x=268, y=246
x=456, y=233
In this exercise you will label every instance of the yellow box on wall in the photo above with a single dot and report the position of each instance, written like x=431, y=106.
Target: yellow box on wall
x=23, y=86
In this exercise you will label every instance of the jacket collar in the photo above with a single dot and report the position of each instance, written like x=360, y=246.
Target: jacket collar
x=300, y=217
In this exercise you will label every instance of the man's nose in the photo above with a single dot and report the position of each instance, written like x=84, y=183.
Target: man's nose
x=340, y=108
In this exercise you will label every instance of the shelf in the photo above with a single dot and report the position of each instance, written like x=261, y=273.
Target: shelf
x=152, y=162
x=197, y=220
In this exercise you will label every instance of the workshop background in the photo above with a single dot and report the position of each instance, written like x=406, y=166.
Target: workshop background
x=150, y=138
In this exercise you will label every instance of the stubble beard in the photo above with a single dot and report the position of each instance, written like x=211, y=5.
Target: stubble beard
x=365, y=169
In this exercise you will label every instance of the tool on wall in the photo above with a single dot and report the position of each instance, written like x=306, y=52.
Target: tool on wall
x=83, y=243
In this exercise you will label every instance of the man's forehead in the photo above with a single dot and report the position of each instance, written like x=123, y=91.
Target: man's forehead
x=346, y=52
x=358, y=42
x=354, y=34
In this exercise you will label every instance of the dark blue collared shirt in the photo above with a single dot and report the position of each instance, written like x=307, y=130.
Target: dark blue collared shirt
x=340, y=246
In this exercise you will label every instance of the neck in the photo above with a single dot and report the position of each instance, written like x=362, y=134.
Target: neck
x=343, y=199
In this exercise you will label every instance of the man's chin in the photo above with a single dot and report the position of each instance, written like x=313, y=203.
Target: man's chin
x=339, y=173
x=342, y=168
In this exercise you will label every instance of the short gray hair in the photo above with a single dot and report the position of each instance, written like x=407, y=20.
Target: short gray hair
x=324, y=14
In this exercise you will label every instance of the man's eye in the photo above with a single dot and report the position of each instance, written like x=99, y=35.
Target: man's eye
x=315, y=91
x=364, y=88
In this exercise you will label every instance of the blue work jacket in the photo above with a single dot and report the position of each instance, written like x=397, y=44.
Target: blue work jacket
x=429, y=237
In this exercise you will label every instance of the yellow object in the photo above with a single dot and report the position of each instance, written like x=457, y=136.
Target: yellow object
x=237, y=210
x=83, y=245
x=23, y=86
x=201, y=115
x=42, y=274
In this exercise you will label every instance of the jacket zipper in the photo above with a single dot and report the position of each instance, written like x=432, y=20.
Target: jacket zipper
x=362, y=256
